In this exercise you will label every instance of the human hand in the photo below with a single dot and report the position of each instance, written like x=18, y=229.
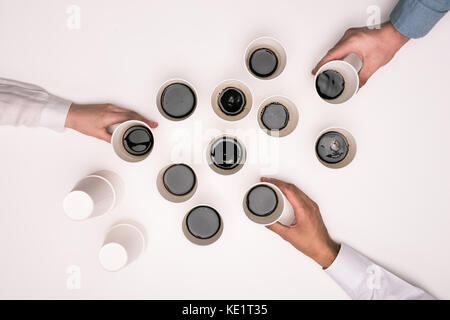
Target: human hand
x=375, y=47
x=308, y=234
x=94, y=119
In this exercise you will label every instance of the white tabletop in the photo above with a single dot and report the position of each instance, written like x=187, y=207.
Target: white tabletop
x=391, y=202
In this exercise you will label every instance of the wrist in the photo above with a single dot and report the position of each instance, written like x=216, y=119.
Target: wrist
x=393, y=36
x=71, y=116
x=326, y=253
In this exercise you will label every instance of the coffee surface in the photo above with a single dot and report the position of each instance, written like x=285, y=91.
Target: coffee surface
x=203, y=222
x=138, y=140
x=330, y=84
x=263, y=62
x=226, y=153
x=262, y=200
x=232, y=101
x=275, y=116
x=179, y=179
x=178, y=100
x=332, y=147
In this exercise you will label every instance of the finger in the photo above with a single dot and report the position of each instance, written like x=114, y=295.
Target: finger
x=118, y=117
x=280, y=229
x=289, y=190
x=338, y=52
x=366, y=72
x=104, y=135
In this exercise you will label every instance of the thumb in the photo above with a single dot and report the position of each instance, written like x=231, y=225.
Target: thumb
x=338, y=52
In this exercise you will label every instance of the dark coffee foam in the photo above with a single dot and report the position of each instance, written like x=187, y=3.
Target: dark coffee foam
x=231, y=101
x=263, y=62
x=226, y=153
x=179, y=179
x=203, y=222
x=275, y=116
x=138, y=140
x=262, y=200
x=330, y=84
x=332, y=147
x=178, y=100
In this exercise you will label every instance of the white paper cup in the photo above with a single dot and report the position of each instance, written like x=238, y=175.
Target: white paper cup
x=291, y=109
x=160, y=93
x=219, y=170
x=271, y=44
x=123, y=244
x=351, y=148
x=94, y=195
x=348, y=68
x=118, y=132
x=190, y=234
x=231, y=84
x=283, y=212
x=164, y=190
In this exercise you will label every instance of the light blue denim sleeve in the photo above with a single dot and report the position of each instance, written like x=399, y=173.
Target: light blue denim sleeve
x=415, y=18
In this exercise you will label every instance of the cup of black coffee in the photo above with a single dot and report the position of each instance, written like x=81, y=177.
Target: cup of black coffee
x=335, y=148
x=132, y=140
x=177, y=182
x=265, y=204
x=226, y=154
x=176, y=100
x=231, y=100
x=265, y=58
x=338, y=80
x=202, y=225
x=277, y=116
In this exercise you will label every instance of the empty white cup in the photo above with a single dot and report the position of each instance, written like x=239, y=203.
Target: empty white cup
x=348, y=68
x=94, y=195
x=123, y=244
x=118, y=132
x=281, y=212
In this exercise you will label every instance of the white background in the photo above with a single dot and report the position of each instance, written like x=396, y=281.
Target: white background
x=391, y=203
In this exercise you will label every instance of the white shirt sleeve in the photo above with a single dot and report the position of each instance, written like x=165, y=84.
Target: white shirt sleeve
x=29, y=105
x=364, y=280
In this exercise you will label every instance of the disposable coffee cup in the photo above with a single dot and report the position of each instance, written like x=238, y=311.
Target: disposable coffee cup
x=265, y=204
x=202, y=225
x=123, y=244
x=177, y=182
x=265, y=58
x=339, y=79
x=176, y=100
x=226, y=154
x=277, y=116
x=335, y=148
x=231, y=100
x=94, y=195
x=132, y=140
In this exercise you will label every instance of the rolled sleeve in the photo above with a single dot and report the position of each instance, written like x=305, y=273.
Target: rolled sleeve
x=415, y=18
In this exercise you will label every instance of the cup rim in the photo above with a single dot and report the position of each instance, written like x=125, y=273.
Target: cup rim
x=161, y=90
x=200, y=241
x=324, y=68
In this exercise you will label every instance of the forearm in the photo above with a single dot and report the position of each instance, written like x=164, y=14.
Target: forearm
x=23, y=104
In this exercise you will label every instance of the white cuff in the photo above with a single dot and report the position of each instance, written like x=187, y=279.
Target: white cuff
x=349, y=269
x=54, y=114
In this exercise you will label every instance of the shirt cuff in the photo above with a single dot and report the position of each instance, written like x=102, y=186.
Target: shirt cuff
x=414, y=19
x=349, y=269
x=54, y=114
